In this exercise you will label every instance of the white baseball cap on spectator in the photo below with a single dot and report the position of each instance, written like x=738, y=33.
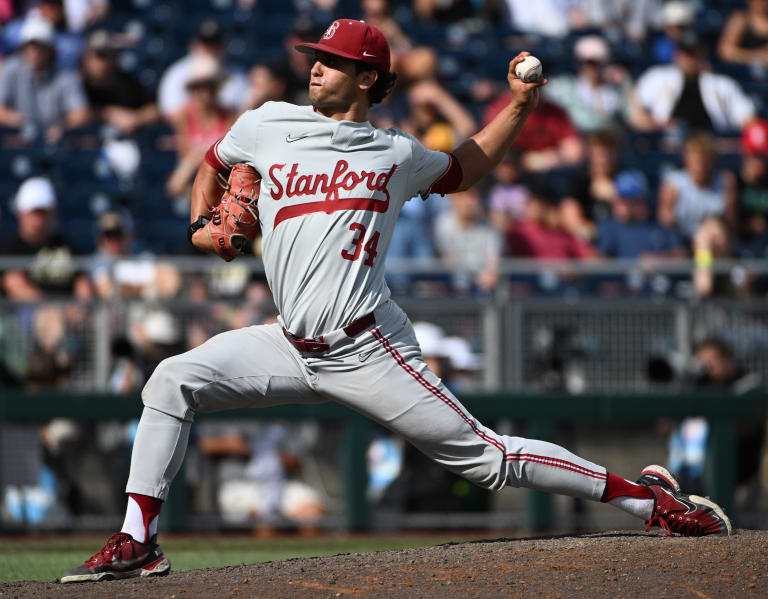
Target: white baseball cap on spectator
x=36, y=193
x=430, y=338
x=161, y=327
x=204, y=69
x=460, y=354
x=677, y=13
x=592, y=48
x=38, y=30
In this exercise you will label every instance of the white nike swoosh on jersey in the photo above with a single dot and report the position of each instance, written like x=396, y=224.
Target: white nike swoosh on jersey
x=369, y=55
x=289, y=138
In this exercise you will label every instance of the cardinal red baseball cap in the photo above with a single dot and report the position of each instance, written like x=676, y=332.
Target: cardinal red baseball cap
x=353, y=39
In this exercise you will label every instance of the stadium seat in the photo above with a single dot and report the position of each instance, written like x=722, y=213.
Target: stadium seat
x=19, y=164
x=166, y=236
x=80, y=232
x=84, y=166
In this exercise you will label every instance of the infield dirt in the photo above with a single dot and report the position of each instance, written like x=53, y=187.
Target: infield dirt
x=607, y=564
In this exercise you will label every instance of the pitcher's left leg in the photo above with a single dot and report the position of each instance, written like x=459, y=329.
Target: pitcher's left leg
x=395, y=388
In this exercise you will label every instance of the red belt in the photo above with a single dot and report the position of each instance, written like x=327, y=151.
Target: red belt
x=353, y=329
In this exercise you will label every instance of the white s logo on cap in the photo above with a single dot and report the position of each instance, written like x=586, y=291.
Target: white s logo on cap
x=331, y=31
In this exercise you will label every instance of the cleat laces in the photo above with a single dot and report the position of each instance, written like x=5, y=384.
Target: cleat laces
x=113, y=544
x=684, y=526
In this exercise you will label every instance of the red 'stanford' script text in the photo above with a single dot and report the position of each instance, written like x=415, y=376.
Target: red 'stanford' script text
x=296, y=184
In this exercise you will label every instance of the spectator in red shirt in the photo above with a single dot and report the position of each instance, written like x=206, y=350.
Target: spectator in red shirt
x=541, y=233
x=199, y=123
x=548, y=139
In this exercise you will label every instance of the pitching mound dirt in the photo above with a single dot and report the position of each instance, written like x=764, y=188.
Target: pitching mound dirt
x=608, y=564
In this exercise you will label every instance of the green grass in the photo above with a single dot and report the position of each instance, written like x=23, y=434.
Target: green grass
x=47, y=559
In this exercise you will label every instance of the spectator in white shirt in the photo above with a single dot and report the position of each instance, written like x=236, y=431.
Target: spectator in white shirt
x=630, y=19
x=688, y=92
x=594, y=97
x=468, y=244
x=173, y=93
x=544, y=17
x=34, y=92
x=557, y=18
x=697, y=192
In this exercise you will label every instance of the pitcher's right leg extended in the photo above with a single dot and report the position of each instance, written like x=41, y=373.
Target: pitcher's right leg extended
x=246, y=368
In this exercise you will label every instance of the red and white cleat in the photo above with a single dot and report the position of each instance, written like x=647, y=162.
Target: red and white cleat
x=121, y=557
x=676, y=512
x=658, y=475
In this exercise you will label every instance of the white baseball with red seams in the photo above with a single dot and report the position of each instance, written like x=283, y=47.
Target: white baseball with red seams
x=331, y=194
x=529, y=69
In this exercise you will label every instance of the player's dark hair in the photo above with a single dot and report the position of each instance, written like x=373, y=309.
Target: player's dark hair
x=385, y=82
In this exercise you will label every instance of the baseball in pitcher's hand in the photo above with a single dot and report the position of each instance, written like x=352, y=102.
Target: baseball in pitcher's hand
x=524, y=94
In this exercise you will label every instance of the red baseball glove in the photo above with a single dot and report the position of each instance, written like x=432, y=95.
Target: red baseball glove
x=235, y=220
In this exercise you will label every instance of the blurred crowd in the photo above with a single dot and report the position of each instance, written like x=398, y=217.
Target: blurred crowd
x=650, y=143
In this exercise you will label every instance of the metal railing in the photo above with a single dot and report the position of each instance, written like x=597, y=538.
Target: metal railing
x=507, y=266
x=578, y=344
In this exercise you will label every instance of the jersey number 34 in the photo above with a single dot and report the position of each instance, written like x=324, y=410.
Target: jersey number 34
x=358, y=247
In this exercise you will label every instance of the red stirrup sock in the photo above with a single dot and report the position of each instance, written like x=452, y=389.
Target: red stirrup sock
x=616, y=486
x=141, y=516
x=632, y=498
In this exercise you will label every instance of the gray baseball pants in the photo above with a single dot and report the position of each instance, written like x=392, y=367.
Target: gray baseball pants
x=380, y=374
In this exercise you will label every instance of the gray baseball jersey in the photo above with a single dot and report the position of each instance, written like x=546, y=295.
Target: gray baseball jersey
x=330, y=195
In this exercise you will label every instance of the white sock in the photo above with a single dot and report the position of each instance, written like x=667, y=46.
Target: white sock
x=134, y=522
x=153, y=526
x=640, y=508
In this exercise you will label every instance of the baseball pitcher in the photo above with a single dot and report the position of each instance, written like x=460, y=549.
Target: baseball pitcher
x=330, y=190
